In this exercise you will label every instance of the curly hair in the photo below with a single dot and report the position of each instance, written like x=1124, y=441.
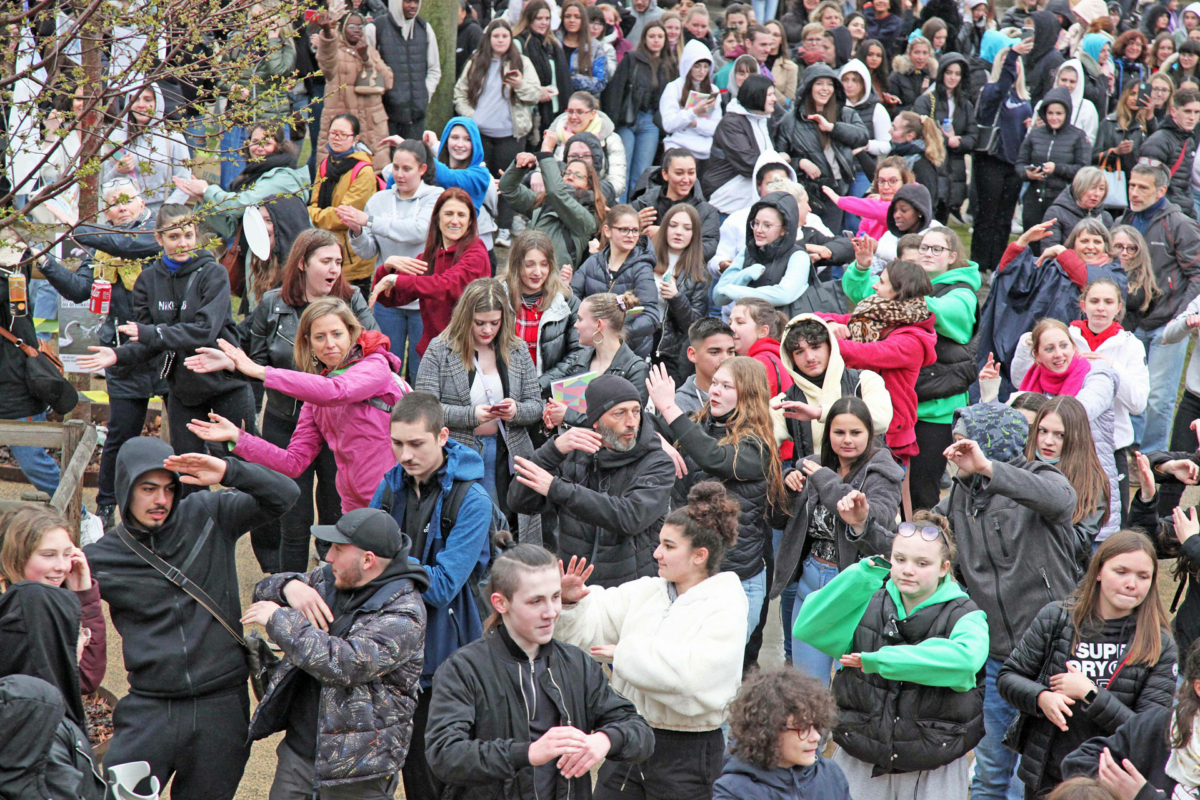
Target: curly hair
x=771, y=702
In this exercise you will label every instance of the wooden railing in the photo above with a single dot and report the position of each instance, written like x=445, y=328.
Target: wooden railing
x=77, y=441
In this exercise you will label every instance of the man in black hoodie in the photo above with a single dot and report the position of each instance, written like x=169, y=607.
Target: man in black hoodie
x=188, y=708
x=1041, y=65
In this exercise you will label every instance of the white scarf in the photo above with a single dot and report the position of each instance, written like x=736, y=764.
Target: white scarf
x=1184, y=765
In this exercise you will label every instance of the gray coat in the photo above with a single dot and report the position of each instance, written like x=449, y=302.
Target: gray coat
x=1174, y=243
x=1017, y=548
x=879, y=480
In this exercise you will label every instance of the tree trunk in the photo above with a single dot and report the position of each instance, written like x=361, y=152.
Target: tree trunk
x=442, y=17
x=90, y=43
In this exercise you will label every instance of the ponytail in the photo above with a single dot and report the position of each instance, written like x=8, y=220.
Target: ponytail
x=935, y=145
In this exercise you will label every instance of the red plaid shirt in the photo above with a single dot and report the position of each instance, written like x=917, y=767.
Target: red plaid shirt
x=528, y=317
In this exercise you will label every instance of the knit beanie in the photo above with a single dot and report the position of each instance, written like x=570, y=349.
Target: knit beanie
x=604, y=392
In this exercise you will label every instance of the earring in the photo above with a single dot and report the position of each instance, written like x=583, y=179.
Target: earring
x=597, y=342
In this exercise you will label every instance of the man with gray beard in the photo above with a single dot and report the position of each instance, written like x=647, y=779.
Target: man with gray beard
x=608, y=484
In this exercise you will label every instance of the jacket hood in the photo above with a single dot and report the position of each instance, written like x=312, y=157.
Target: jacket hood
x=903, y=64
x=1060, y=95
x=954, y=58
x=1000, y=430
x=831, y=384
x=30, y=713
x=917, y=196
x=374, y=343
x=992, y=43
x=1046, y=29
x=136, y=457
x=947, y=590
x=693, y=51
x=1089, y=10
x=1076, y=93
x=1091, y=46
x=786, y=781
x=650, y=9
x=472, y=131
x=1190, y=7
x=860, y=69
x=843, y=44
x=158, y=115
x=599, y=162
x=396, y=9
x=782, y=247
x=820, y=70
x=771, y=157
x=1059, y=8
x=968, y=276
x=39, y=629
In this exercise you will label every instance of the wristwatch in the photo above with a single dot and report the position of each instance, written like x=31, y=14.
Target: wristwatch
x=370, y=222
x=1090, y=696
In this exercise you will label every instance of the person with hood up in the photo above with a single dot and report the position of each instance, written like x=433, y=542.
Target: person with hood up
x=689, y=107
x=468, y=37
x=1095, y=54
x=948, y=103
x=1001, y=500
x=970, y=35
x=407, y=44
x=356, y=78
x=187, y=674
x=1082, y=199
x=741, y=138
x=1044, y=59
x=861, y=96
x=1083, y=111
x=1173, y=145
x=773, y=267
x=677, y=181
x=610, y=39
x=821, y=135
x=181, y=302
x=348, y=381
x=616, y=528
x=151, y=155
x=1003, y=103
x=911, y=211
x=1187, y=23
x=1050, y=156
x=631, y=99
x=913, y=72
x=892, y=333
x=583, y=115
x=871, y=211
x=352, y=636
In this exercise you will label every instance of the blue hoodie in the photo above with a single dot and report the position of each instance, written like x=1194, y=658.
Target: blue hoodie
x=475, y=179
x=741, y=781
x=454, y=559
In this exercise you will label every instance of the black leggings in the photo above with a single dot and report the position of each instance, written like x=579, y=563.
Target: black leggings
x=126, y=418
x=996, y=181
x=926, y=467
x=498, y=154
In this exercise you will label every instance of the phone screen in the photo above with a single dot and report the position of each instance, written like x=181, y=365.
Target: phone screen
x=1026, y=34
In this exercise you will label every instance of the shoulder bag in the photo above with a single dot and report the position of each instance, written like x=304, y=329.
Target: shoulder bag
x=44, y=375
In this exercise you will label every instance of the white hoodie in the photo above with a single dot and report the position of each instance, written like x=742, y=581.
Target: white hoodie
x=676, y=121
x=880, y=122
x=161, y=155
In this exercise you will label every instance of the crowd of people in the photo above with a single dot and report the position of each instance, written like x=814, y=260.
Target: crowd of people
x=667, y=323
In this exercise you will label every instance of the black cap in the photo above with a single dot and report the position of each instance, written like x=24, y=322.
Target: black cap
x=606, y=391
x=371, y=529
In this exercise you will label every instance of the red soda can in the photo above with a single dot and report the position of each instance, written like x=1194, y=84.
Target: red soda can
x=101, y=297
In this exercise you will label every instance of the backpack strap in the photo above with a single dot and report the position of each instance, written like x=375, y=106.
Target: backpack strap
x=452, y=502
x=385, y=499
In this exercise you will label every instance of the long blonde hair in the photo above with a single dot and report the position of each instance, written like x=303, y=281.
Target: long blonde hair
x=998, y=67
x=481, y=296
x=927, y=129
x=302, y=352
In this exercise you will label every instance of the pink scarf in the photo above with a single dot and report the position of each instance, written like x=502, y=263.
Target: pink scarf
x=1069, y=382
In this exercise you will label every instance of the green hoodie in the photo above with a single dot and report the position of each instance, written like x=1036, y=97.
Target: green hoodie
x=954, y=314
x=830, y=616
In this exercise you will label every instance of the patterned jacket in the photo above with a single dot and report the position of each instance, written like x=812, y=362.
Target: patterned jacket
x=369, y=673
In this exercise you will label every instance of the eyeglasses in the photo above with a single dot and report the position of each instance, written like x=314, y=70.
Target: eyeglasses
x=626, y=231
x=928, y=532
x=1125, y=248
x=888, y=181
x=579, y=112
x=340, y=135
x=800, y=732
x=1159, y=91
x=763, y=226
x=936, y=249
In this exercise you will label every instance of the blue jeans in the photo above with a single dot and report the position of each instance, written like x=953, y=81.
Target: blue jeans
x=1166, y=363
x=857, y=189
x=45, y=302
x=233, y=157
x=1196, y=202
x=756, y=592
x=641, y=142
x=995, y=764
x=489, y=465
x=36, y=464
x=787, y=600
x=805, y=657
x=764, y=10
x=399, y=325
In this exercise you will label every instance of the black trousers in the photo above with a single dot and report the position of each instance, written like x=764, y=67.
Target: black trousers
x=126, y=418
x=236, y=405
x=927, y=466
x=996, y=181
x=419, y=783
x=406, y=130
x=684, y=767
x=201, y=741
x=282, y=545
x=1034, y=208
x=1182, y=438
x=498, y=154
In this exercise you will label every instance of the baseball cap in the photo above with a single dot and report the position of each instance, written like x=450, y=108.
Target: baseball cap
x=371, y=529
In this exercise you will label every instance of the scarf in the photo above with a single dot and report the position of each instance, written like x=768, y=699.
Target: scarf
x=1142, y=219
x=1094, y=340
x=337, y=165
x=111, y=269
x=875, y=315
x=256, y=169
x=593, y=128
x=172, y=265
x=1068, y=382
x=1184, y=765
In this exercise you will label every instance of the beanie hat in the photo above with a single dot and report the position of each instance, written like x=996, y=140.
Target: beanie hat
x=604, y=392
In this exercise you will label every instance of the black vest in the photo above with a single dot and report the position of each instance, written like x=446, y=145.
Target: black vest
x=955, y=368
x=898, y=726
x=407, y=100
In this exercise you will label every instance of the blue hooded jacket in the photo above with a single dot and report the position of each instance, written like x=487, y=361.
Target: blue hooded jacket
x=741, y=781
x=454, y=559
x=475, y=179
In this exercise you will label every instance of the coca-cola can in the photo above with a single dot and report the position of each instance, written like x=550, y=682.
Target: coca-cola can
x=101, y=297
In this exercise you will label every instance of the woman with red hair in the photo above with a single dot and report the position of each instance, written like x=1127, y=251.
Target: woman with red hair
x=453, y=257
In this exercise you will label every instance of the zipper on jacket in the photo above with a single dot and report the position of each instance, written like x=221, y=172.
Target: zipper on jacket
x=1046, y=580
x=1008, y=629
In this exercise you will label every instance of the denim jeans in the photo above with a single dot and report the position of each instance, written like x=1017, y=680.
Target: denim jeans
x=857, y=189
x=995, y=765
x=233, y=158
x=764, y=10
x=805, y=657
x=489, y=465
x=36, y=464
x=756, y=592
x=1166, y=363
x=45, y=302
x=400, y=325
x=787, y=601
x=641, y=142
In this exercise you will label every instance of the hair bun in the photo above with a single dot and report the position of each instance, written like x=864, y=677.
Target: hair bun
x=710, y=505
x=503, y=540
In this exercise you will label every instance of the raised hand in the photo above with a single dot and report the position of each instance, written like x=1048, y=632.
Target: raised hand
x=209, y=359
x=308, y=601
x=990, y=371
x=1186, y=524
x=798, y=409
x=383, y=286
x=525, y=160
x=661, y=387
x=1037, y=232
x=197, y=469
x=245, y=365
x=1183, y=470
x=969, y=458
x=79, y=578
x=104, y=358
x=854, y=509
x=533, y=476
x=218, y=430
x=1123, y=778
x=574, y=576
x=585, y=440
x=1145, y=477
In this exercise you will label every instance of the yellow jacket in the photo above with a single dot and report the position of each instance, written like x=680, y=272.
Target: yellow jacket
x=348, y=192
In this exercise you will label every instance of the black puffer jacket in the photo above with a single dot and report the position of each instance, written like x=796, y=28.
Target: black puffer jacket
x=801, y=138
x=1068, y=212
x=636, y=274
x=1042, y=63
x=273, y=336
x=1166, y=145
x=43, y=755
x=558, y=341
x=742, y=469
x=1068, y=148
x=633, y=89
x=1145, y=740
x=626, y=363
x=610, y=505
x=935, y=104
x=15, y=400
x=686, y=307
x=1109, y=135
x=1136, y=688
x=907, y=82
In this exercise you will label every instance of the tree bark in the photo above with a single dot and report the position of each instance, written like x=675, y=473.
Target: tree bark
x=442, y=17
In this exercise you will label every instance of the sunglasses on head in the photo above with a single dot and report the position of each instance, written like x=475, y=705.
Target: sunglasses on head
x=928, y=532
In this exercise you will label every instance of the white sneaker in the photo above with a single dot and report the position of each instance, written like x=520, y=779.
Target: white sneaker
x=90, y=528
x=503, y=238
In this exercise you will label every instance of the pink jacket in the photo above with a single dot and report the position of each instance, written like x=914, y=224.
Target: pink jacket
x=337, y=413
x=872, y=215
